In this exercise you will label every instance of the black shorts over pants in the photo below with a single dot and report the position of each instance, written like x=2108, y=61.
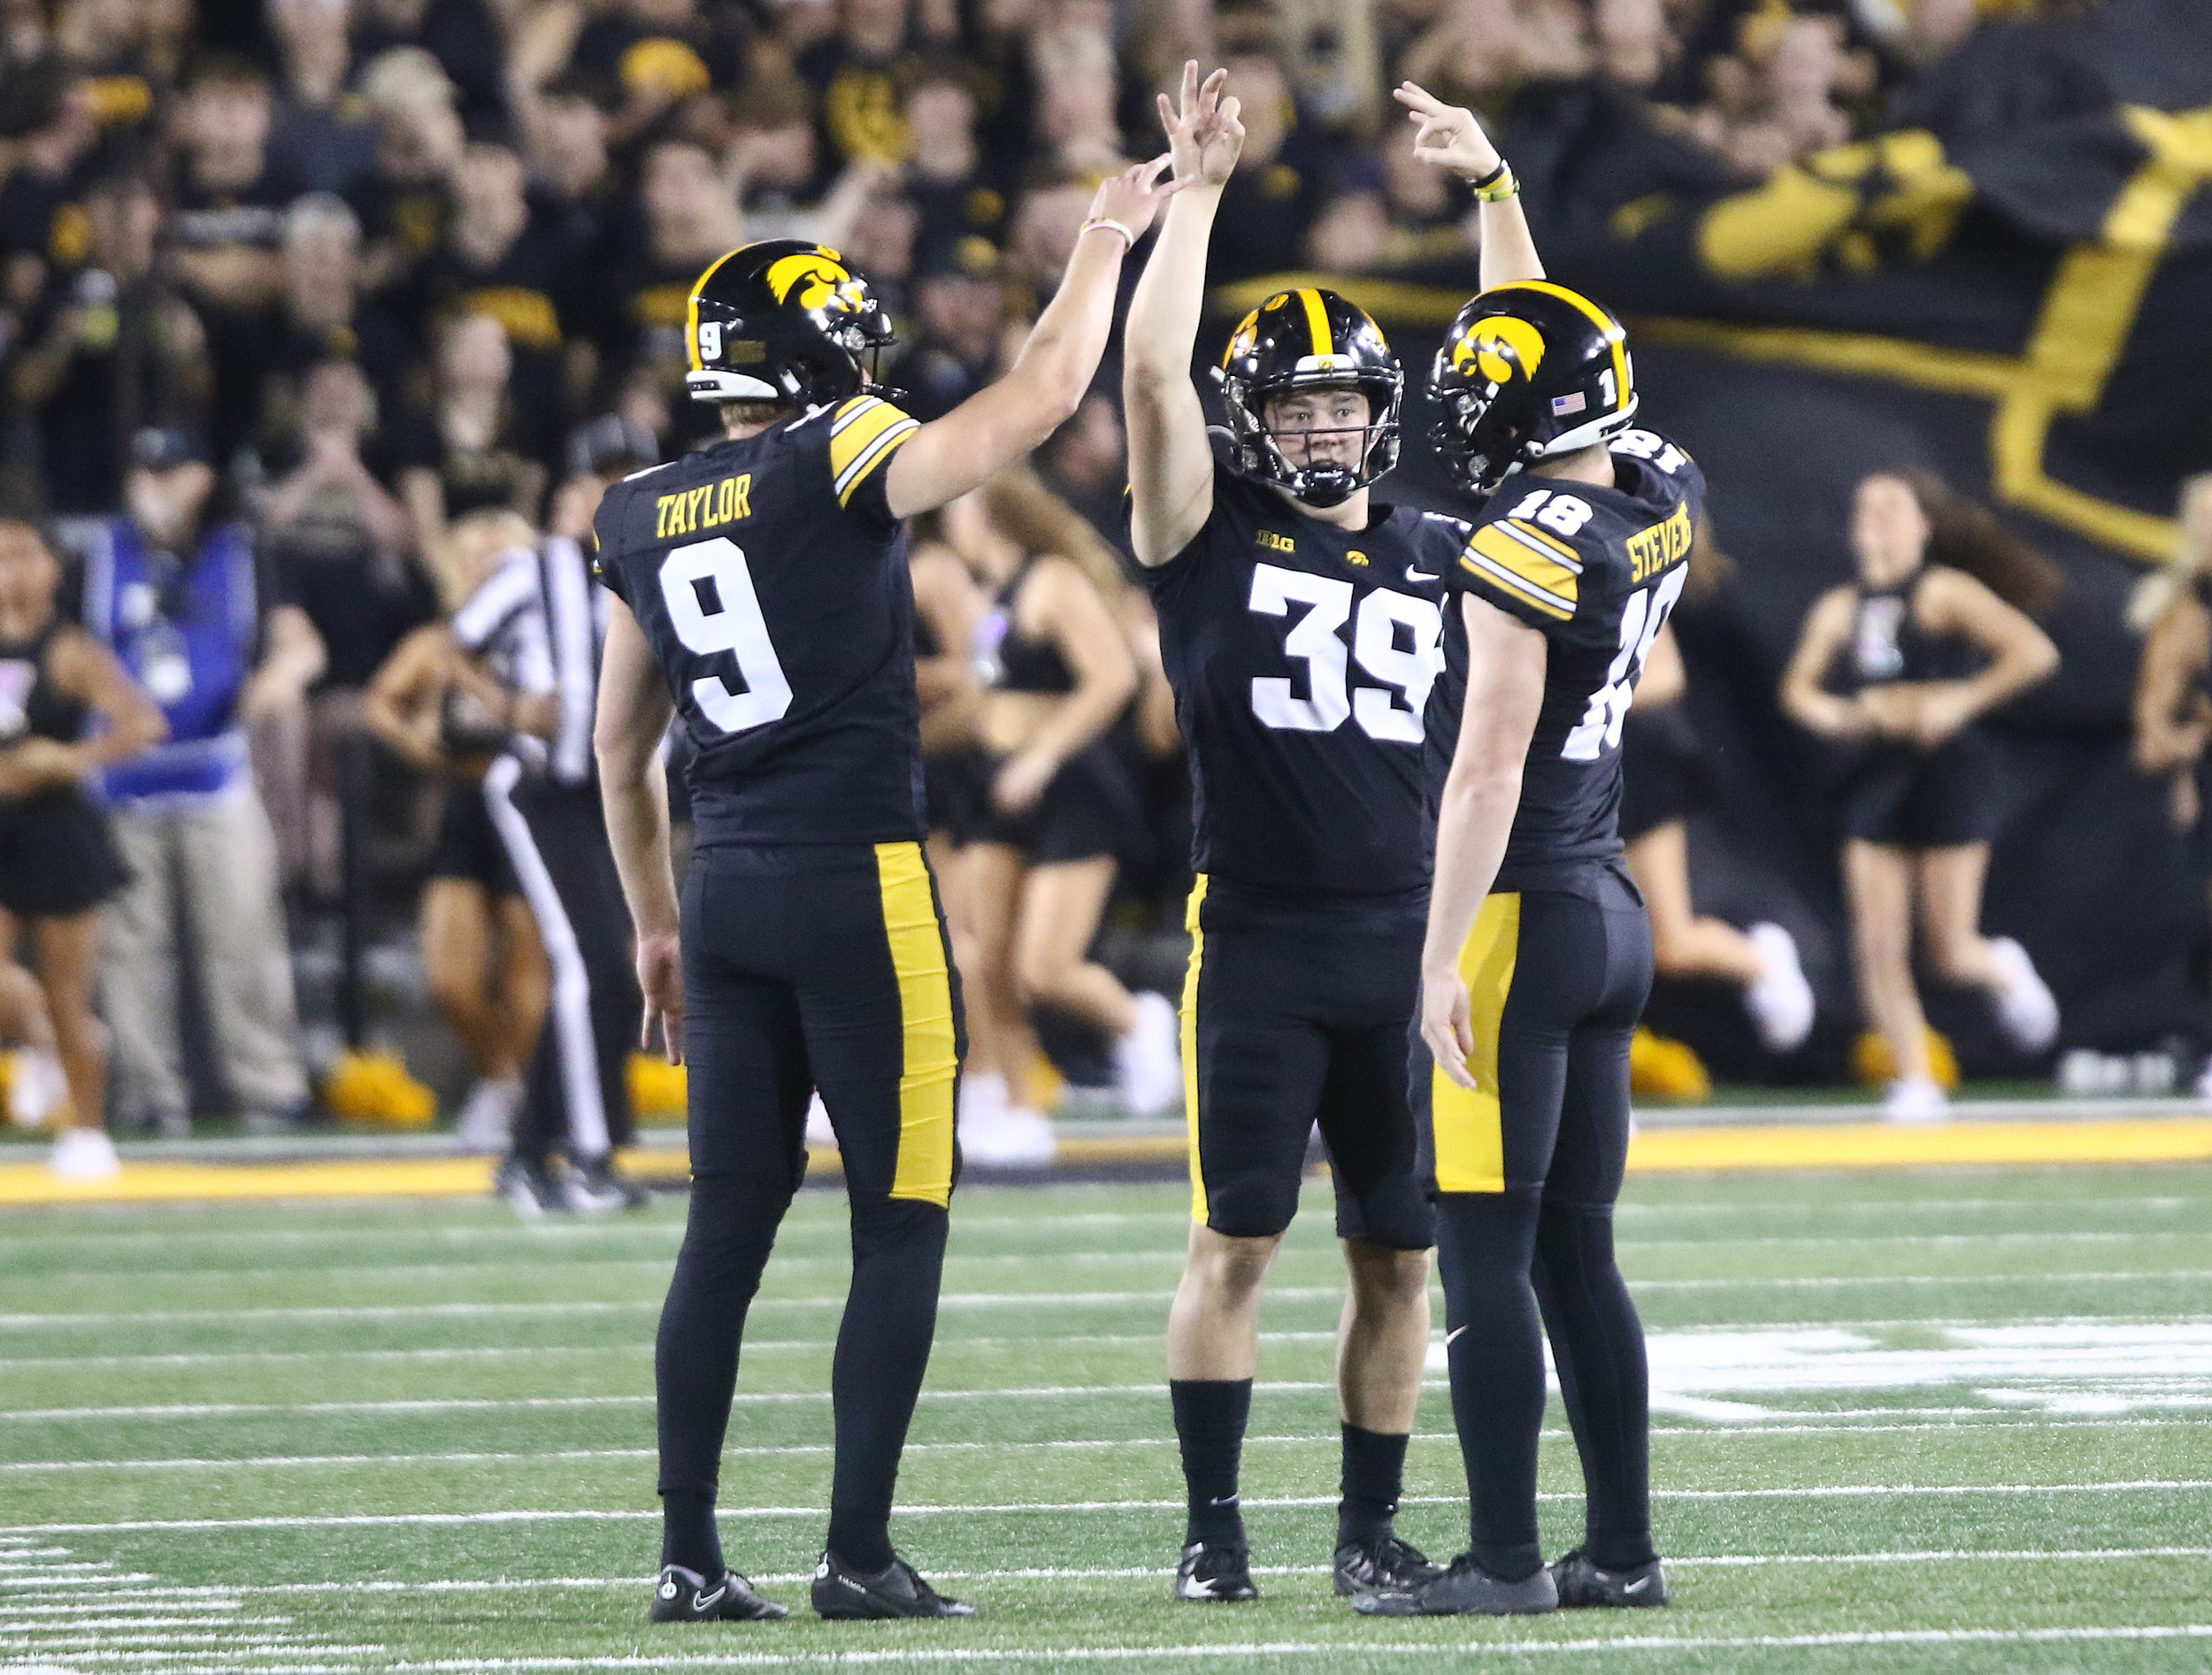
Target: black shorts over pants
x=1294, y=1015
x=1557, y=978
x=825, y=966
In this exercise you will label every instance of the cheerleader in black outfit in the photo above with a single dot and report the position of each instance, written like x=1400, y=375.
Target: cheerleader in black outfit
x=57, y=862
x=1937, y=631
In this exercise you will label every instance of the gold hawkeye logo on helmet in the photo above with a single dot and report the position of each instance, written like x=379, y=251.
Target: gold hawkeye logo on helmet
x=817, y=277
x=1496, y=344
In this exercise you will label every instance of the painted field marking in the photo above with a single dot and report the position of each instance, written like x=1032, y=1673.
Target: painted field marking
x=357, y=1520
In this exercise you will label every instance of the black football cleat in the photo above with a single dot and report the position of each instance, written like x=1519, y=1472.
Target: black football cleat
x=1216, y=1572
x=595, y=1184
x=1581, y=1584
x=1464, y=1590
x=844, y=1595
x=531, y=1188
x=683, y=1596
x=1387, y=1566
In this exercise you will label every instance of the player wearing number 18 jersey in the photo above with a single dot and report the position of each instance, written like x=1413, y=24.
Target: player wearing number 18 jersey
x=1538, y=952
x=763, y=598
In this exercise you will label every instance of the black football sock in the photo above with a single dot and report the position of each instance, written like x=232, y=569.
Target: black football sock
x=688, y=1537
x=1210, y=1420
x=1598, y=1346
x=726, y=1240
x=1374, y=1474
x=882, y=1352
x=1496, y=1344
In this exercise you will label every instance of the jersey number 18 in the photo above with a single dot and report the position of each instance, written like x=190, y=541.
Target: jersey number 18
x=1641, y=619
x=713, y=609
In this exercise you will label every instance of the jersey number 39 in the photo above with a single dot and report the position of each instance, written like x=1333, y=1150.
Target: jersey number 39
x=1314, y=641
x=713, y=609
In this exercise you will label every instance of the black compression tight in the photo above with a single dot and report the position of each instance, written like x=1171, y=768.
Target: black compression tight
x=882, y=1352
x=1501, y=1254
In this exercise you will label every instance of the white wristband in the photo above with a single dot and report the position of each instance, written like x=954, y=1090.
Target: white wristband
x=1128, y=238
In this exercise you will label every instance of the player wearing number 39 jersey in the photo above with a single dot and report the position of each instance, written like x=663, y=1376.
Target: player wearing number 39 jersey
x=1538, y=956
x=1300, y=624
x=763, y=599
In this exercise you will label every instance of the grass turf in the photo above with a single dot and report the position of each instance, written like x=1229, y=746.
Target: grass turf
x=1943, y=1420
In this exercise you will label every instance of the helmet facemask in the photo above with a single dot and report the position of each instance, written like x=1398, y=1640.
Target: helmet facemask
x=1322, y=484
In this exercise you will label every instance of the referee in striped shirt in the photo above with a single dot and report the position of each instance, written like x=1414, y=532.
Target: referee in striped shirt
x=543, y=794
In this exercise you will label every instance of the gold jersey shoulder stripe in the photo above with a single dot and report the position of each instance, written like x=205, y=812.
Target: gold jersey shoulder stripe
x=1496, y=557
x=866, y=433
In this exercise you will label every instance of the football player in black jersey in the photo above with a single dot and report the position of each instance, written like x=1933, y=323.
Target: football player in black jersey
x=763, y=595
x=1538, y=955
x=1299, y=623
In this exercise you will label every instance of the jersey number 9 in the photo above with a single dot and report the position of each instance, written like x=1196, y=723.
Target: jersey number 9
x=713, y=609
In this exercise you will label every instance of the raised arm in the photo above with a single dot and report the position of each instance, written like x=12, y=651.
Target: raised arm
x=634, y=712
x=1506, y=661
x=1171, y=465
x=1450, y=137
x=995, y=427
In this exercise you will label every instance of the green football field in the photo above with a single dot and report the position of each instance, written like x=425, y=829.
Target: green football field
x=1944, y=1420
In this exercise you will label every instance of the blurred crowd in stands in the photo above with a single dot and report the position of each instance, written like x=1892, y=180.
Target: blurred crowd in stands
x=289, y=293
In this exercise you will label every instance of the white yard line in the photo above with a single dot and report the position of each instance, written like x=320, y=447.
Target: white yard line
x=1968, y=1419
x=354, y=1520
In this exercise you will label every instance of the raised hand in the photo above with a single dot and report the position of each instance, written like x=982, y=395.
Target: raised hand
x=1133, y=197
x=1204, y=135
x=1447, y=136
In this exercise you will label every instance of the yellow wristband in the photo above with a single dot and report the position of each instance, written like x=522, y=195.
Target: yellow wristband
x=1497, y=186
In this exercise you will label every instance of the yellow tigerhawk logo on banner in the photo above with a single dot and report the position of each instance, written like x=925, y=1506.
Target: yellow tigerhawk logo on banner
x=1497, y=344
x=818, y=276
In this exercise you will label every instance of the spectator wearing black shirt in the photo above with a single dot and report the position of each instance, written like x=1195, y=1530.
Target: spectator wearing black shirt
x=960, y=296
x=321, y=316
x=660, y=53
x=513, y=260
x=404, y=203
x=47, y=117
x=108, y=350
x=474, y=446
x=948, y=179
x=858, y=75
x=690, y=220
x=462, y=34
x=325, y=132
x=227, y=224
x=1272, y=200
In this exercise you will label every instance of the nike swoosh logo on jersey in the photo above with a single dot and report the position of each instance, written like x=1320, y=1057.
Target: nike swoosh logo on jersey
x=1418, y=577
x=1452, y=1333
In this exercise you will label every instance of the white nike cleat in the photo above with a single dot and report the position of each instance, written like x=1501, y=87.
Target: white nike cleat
x=1781, y=1001
x=1149, y=1060
x=1915, y=1100
x=2026, y=1009
x=85, y=1154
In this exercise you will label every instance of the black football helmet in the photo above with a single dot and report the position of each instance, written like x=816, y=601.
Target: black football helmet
x=1309, y=339
x=1528, y=370
x=783, y=320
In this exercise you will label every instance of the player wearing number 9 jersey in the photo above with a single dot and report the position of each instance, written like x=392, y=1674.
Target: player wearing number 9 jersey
x=1538, y=956
x=762, y=597
x=1300, y=622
